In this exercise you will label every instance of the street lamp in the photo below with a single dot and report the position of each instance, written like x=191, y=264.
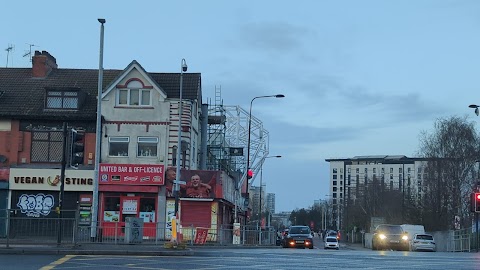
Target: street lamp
x=98, y=133
x=248, y=142
x=473, y=106
x=176, y=188
x=260, y=198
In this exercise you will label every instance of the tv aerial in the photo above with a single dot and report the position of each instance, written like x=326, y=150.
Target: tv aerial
x=9, y=49
x=29, y=52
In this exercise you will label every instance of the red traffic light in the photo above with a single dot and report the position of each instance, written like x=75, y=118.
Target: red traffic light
x=477, y=196
x=250, y=174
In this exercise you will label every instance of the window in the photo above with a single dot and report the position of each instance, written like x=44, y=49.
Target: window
x=334, y=176
x=357, y=170
x=391, y=170
x=399, y=170
x=334, y=189
x=374, y=170
x=62, y=99
x=334, y=183
x=47, y=146
x=334, y=170
x=341, y=170
x=349, y=170
x=391, y=176
x=409, y=170
x=366, y=170
x=147, y=146
x=118, y=146
x=134, y=95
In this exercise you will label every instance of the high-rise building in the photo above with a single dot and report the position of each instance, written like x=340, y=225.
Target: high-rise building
x=270, y=203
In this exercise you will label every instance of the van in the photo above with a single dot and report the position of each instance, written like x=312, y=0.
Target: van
x=411, y=230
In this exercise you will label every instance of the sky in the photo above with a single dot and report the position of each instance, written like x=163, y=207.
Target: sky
x=359, y=77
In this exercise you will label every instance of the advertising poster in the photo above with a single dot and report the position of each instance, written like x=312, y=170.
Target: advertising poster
x=129, y=207
x=111, y=216
x=170, y=213
x=236, y=233
x=198, y=184
x=147, y=216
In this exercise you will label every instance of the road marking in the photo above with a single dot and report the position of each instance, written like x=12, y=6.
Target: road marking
x=57, y=262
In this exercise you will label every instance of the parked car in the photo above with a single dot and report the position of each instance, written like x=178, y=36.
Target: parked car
x=331, y=242
x=423, y=242
x=298, y=236
x=388, y=236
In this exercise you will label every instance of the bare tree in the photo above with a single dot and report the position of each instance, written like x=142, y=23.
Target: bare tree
x=451, y=152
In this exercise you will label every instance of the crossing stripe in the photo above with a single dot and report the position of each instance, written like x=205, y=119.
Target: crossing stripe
x=57, y=262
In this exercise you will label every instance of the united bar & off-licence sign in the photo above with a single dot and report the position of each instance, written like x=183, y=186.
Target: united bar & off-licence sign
x=131, y=174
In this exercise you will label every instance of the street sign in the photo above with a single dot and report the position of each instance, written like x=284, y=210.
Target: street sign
x=180, y=182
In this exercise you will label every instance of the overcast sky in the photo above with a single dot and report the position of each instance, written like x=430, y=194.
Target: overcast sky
x=360, y=77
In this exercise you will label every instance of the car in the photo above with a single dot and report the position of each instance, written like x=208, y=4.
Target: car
x=298, y=236
x=388, y=236
x=331, y=242
x=423, y=242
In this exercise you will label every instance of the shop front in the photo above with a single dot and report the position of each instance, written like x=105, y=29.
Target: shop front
x=129, y=190
x=34, y=197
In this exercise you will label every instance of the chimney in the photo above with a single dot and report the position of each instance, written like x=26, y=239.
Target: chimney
x=42, y=64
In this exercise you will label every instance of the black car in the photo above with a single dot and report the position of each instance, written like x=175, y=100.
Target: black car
x=388, y=236
x=298, y=236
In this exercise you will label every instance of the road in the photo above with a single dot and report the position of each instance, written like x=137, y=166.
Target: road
x=253, y=258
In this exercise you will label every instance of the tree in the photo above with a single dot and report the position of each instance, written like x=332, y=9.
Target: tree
x=451, y=152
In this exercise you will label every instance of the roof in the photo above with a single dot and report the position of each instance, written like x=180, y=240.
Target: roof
x=23, y=96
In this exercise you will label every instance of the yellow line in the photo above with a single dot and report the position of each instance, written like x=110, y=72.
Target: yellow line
x=57, y=262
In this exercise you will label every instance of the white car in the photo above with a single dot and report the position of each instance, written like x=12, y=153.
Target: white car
x=331, y=242
x=423, y=242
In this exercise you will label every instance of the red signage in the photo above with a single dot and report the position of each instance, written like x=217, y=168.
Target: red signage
x=201, y=236
x=131, y=174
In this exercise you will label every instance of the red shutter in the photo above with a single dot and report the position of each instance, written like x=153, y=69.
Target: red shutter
x=198, y=214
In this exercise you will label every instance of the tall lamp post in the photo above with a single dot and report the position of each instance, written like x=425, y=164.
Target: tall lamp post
x=98, y=138
x=248, y=142
x=176, y=189
x=260, y=198
x=474, y=106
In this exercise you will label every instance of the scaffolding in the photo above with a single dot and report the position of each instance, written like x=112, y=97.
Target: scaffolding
x=228, y=139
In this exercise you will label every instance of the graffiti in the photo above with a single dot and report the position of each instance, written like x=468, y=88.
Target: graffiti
x=136, y=231
x=36, y=205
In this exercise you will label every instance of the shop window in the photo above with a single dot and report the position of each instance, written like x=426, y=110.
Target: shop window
x=118, y=146
x=147, y=209
x=47, y=146
x=147, y=146
x=111, y=210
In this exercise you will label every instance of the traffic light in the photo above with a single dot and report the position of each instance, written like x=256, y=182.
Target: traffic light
x=475, y=202
x=77, y=148
x=249, y=174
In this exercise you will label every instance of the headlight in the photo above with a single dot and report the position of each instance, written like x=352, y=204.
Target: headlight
x=382, y=236
x=405, y=237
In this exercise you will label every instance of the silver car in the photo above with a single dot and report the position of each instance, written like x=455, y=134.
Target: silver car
x=423, y=242
x=331, y=242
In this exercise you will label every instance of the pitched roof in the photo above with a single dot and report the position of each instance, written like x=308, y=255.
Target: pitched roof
x=24, y=96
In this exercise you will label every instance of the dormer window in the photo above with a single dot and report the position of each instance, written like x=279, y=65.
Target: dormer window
x=62, y=99
x=134, y=95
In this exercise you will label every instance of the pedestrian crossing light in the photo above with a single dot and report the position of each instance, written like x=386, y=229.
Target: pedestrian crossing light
x=77, y=146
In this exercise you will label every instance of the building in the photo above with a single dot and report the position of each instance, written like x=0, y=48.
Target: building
x=44, y=108
x=270, y=204
x=350, y=177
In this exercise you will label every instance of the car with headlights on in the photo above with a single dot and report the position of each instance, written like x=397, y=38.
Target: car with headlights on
x=299, y=237
x=388, y=236
x=331, y=242
x=423, y=242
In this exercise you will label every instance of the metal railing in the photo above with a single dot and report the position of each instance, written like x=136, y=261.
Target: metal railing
x=18, y=229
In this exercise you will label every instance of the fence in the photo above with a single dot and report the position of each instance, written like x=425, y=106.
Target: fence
x=67, y=230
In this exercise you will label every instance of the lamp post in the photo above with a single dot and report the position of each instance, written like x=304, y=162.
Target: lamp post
x=260, y=197
x=98, y=138
x=176, y=188
x=248, y=142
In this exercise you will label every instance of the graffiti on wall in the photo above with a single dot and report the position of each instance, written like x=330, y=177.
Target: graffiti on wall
x=35, y=205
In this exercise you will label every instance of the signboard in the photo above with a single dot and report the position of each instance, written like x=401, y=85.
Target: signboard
x=236, y=233
x=201, y=235
x=49, y=179
x=131, y=174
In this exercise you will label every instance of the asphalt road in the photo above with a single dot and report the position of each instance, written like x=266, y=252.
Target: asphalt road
x=253, y=258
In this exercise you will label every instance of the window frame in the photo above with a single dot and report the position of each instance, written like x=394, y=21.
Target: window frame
x=63, y=96
x=128, y=91
x=157, y=141
x=110, y=139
